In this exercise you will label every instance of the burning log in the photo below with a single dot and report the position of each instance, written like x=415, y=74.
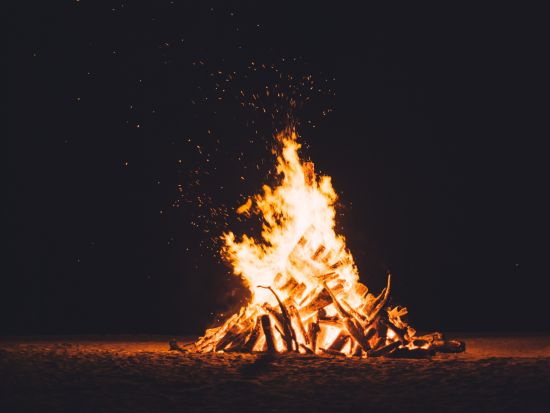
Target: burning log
x=233, y=337
x=253, y=337
x=430, y=338
x=358, y=316
x=332, y=352
x=420, y=343
x=449, y=346
x=380, y=301
x=285, y=284
x=268, y=333
x=361, y=290
x=318, y=252
x=328, y=277
x=399, y=332
x=306, y=349
x=313, y=331
x=330, y=323
x=356, y=350
x=352, y=325
x=377, y=342
x=289, y=335
x=339, y=342
x=384, y=350
x=298, y=321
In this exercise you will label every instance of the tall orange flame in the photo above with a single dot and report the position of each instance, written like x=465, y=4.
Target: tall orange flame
x=302, y=205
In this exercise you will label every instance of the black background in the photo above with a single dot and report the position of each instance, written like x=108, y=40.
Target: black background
x=435, y=146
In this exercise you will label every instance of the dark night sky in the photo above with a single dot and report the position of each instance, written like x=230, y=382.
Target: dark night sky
x=435, y=145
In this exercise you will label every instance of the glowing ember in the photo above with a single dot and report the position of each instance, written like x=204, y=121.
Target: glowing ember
x=305, y=289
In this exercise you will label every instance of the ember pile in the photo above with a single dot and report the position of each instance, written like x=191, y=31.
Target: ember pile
x=305, y=291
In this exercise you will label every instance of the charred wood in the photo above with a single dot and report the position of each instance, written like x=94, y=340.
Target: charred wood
x=339, y=342
x=385, y=349
x=449, y=346
x=268, y=333
x=313, y=332
x=289, y=333
x=253, y=337
x=332, y=352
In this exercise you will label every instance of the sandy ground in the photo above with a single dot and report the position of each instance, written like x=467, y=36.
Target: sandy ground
x=139, y=374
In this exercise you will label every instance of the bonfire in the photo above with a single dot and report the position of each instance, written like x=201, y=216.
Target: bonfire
x=305, y=293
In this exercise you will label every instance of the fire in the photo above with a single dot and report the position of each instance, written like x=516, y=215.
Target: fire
x=304, y=284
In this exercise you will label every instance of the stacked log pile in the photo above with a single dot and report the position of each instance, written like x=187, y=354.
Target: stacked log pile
x=312, y=315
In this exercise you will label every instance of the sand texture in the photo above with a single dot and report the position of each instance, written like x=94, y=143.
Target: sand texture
x=139, y=374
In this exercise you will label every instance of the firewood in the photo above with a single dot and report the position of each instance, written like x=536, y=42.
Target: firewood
x=327, y=257
x=341, y=310
x=357, y=315
x=306, y=348
x=340, y=341
x=384, y=350
x=353, y=326
x=278, y=330
x=307, y=297
x=328, y=277
x=381, y=328
x=370, y=333
x=320, y=300
x=253, y=337
x=355, y=331
x=287, y=283
x=268, y=333
x=431, y=337
x=297, y=292
x=419, y=342
x=338, y=287
x=313, y=331
x=236, y=345
x=361, y=289
x=332, y=352
x=226, y=339
x=289, y=333
x=368, y=304
x=234, y=338
x=449, y=346
x=380, y=301
x=356, y=350
x=399, y=332
x=296, y=318
x=377, y=342
x=330, y=322
x=322, y=315
x=208, y=341
x=298, y=258
x=318, y=252
x=277, y=316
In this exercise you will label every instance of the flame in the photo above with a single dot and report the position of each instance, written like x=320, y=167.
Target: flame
x=304, y=284
x=302, y=205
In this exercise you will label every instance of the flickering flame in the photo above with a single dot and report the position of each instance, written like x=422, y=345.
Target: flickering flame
x=304, y=284
x=300, y=207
